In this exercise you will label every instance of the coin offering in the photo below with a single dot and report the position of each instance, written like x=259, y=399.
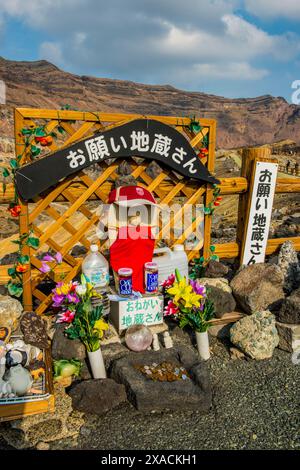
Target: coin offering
x=164, y=372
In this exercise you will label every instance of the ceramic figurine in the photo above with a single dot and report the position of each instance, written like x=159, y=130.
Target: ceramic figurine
x=168, y=342
x=2, y=367
x=19, y=379
x=15, y=357
x=5, y=388
x=155, y=343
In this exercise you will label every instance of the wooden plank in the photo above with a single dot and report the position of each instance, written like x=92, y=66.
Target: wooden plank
x=209, y=192
x=23, y=225
x=179, y=213
x=106, y=117
x=53, y=227
x=227, y=318
x=199, y=137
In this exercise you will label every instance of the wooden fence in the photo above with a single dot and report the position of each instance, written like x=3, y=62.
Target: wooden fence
x=67, y=207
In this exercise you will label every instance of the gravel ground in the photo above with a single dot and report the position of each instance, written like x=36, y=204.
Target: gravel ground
x=255, y=406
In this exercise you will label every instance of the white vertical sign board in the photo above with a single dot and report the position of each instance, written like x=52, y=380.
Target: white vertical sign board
x=260, y=212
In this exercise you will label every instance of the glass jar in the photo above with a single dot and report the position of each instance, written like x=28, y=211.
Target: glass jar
x=151, y=278
x=125, y=281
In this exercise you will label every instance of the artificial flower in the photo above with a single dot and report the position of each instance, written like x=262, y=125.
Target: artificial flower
x=169, y=282
x=58, y=257
x=198, y=288
x=171, y=309
x=63, y=288
x=22, y=268
x=191, y=299
x=81, y=290
x=100, y=326
x=15, y=210
x=66, y=317
x=179, y=289
x=48, y=258
x=72, y=298
x=58, y=300
x=45, y=268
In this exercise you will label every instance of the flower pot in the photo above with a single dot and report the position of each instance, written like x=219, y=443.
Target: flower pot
x=97, y=364
x=203, y=345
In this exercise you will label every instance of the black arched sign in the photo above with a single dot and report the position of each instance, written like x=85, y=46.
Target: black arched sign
x=145, y=138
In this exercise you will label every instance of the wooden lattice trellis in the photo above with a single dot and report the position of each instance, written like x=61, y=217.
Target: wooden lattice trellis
x=68, y=204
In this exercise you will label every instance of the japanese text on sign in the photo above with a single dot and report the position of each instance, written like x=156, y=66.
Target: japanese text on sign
x=260, y=212
x=98, y=148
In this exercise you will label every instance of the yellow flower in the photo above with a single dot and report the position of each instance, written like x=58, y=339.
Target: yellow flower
x=180, y=289
x=94, y=293
x=100, y=326
x=64, y=288
x=192, y=300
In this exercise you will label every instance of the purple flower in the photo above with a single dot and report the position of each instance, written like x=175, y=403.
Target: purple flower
x=198, y=288
x=72, y=298
x=45, y=268
x=58, y=300
x=58, y=257
x=48, y=257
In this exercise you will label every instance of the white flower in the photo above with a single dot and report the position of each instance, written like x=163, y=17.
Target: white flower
x=80, y=290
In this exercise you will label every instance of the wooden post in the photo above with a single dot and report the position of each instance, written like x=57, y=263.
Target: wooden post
x=24, y=225
x=250, y=157
x=209, y=191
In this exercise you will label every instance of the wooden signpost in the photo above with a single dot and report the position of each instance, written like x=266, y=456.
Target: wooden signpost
x=257, y=208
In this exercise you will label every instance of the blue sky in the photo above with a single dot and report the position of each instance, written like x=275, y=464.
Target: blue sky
x=233, y=48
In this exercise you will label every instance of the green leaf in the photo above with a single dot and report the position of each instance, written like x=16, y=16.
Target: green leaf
x=13, y=163
x=15, y=289
x=33, y=242
x=24, y=259
x=60, y=129
x=39, y=132
x=35, y=151
x=5, y=172
x=11, y=271
x=26, y=131
x=212, y=248
x=215, y=258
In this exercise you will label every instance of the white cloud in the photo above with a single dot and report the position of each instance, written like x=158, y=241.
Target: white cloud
x=274, y=8
x=52, y=52
x=156, y=41
x=233, y=70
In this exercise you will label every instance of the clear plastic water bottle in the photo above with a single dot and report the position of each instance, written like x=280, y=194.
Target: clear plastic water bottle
x=95, y=267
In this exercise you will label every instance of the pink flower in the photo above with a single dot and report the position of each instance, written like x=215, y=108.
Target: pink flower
x=169, y=282
x=48, y=257
x=45, y=268
x=72, y=298
x=58, y=257
x=171, y=309
x=198, y=288
x=66, y=317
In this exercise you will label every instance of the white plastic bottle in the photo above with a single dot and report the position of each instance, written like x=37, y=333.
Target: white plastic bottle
x=95, y=267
